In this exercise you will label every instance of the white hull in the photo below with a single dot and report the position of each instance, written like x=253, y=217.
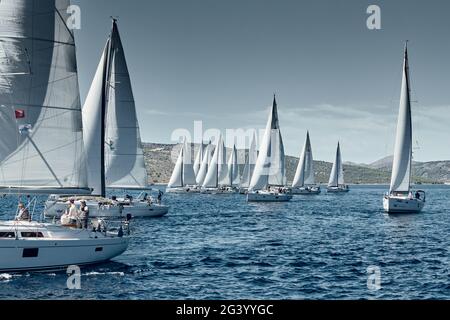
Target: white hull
x=183, y=190
x=59, y=247
x=393, y=204
x=219, y=191
x=306, y=191
x=144, y=210
x=137, y=209
x=268, y=197
x=342, y=189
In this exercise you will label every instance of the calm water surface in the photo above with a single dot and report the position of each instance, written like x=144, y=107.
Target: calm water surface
x=219, y=247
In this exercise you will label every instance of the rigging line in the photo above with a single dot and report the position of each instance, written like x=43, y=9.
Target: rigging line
x=13, y=104
x=64, y=23
x=45, y=161
x=36, y=39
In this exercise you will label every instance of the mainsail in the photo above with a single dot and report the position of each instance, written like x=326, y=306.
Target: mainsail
x=41, y=145
x=218, y=169
x=198, y=159
x=207, y=156
x=183, y=173
x=112, y=137
x=401, y=171
x=337, y=173
x=249, y=164
x=124, y=156
x=305, y=170
x=270, y=167
x=233, y=178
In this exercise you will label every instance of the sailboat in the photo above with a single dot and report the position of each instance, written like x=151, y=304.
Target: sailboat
x=337, y=182
x=112, y=142
x=400, y=198
x=268, y=183
x=304, y=181
x=41, y=140
x=218, y=180
x=198, y=159
x=249, y=167
x=203, y=171
x=183, y=176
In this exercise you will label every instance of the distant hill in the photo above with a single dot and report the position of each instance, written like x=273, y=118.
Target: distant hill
x=160, y=166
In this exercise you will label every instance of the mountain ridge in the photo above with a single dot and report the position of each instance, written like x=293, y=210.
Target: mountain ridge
x=158, y=158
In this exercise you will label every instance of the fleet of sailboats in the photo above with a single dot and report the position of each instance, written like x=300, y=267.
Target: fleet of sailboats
x=51, y=146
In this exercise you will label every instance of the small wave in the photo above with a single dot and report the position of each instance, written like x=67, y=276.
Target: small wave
x=94, y=273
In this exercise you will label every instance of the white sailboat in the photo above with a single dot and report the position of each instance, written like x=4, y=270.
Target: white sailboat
x=305, y=181
x=401, y=199
x=337, y=182
x=41, y=140
x=217, y=180
x=249, y=167
x=183, y=176
x=268, y=183
x=112, y=142
x=198, y=159
x=203, y=171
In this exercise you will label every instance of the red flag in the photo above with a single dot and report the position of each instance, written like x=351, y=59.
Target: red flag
x=20, y=114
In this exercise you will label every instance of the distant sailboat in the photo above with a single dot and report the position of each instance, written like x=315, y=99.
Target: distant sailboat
x=198, y=159
x=249, y=167
x=400, y=198
x=268, y=183
x=305, y=181
x=41, y=140
x=337, y=182
x=203, y=171
x=217, y=179
x=112, y=140
x=183, y=176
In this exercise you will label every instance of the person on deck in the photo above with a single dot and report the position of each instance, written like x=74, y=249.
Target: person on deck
x=24, y=214
x=84, y=214
x=73, y=212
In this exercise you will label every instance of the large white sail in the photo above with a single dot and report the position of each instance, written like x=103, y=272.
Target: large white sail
x=337, y=173
x=198, y=159
x=207, y=156
x=124, y=156
x=41, y=141
x=270, y=167
x=233, y=169
x=218, y=168
x=304, y=175
x=401, y=171
x=176, y=180
x=188, y=170
x=249, y=164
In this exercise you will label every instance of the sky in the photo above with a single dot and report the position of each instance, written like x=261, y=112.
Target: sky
x=221, y=61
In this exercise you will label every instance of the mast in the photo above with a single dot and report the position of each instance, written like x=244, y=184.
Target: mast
x=105, y=95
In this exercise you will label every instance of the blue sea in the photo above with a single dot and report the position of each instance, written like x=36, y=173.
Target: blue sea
x=220, y=247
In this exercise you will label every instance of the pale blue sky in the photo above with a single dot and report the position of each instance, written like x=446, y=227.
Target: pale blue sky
x=220, y=61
